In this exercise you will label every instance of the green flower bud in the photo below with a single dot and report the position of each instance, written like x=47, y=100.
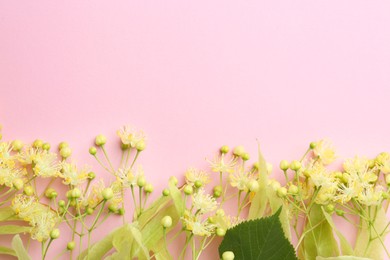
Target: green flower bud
x=46, y=146
x=62, y=145
x=281, y=192
x=166, y=222
x=37, y=143
x=89, y=211
x=149, y=188
x=55, y=233
x=228, y=255
x=284, y=165
x=217, y=194
x=48, y=193
x=245, y=156
x=61, y=203
x=76, y=193
x=188, y=190
x=65, y=152
x=125, y=146
x=166, y=192
x=329, y=208
x=198, y=184
x=113, y=208
x=18, y=183
x=92, y=150
x=295, y=165
x=220, y=232
x=28, y=190
x=91, y=175
x=140, y=146
x=100, y=140
x=71, y=245
x=224, y=149
x=17, y=145
x=107, y=193
x=121, y=211
x=141, y=182
x=239, y=150
x=293, y=189
x=340, y=212
x=313, y=145
x=256, y=166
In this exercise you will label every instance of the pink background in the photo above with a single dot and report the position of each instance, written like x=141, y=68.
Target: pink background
x=197, y=74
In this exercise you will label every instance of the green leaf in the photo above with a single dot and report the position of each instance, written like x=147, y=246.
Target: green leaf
x=345, y=246
x=319, y=239
x=258, y=239
x=13, y=229
x=6, y=213
x=375, y=248
x=18, y=246
x=7, y=251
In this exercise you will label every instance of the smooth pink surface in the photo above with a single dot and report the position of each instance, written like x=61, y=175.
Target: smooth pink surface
x=197, y=74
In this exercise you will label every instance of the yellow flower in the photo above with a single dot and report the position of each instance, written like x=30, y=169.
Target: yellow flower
x=359, y=169
x=9, y=173
x=130, y=136
x=371, y=196
x=117, y=199
x=197, y=226
x=46, y=165
x=218, y=164
x=204, y=202
x=325, y=152
x=128, y=178
x=94, y=196
x=382, y=161
x=28, y=155
x=240, y=179
x=320, y=176
x=72, y=175
x=5, y=151
x=193, y=175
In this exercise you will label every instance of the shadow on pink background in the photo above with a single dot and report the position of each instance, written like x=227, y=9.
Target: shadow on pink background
x=197, y=75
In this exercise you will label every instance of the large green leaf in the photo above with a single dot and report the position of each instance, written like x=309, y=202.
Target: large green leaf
x=18, y=247
x=13, y=229
x=258, y=239
x=7, y=251
x=320, y=240
x=345, y=246
x=375, y=249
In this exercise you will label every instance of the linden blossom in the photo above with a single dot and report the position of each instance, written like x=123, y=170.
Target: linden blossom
x=311, y=196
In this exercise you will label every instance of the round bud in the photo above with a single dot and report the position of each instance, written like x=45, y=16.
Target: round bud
x=140, y=146
x=166, y=192
x=37, y=143
x=220, y=232
x=107, y=193
x=61, y=211
x=340, y=212
x=281, y=192
x=141, y=182
x=48, y=192
x=329, y=208
x=121, y=211
x=238, y=150
x=218, y=188
x=61, y=203
x=295, y=165
x=253, y=186
x=28, y=190
x=100, y=140
x=76, y=193
x=313, y=145
x=91, y=175
x=217, y=194
x=275, y=185
x=149, y=188
x=228, y=255
x=112, y=208
x=245, y=156
x=92, y=150
x=55, y=233
x=188, y=190
x=62, y=145
x=293, y=189
x=224, y=149
x=174, y=180
x=385, y=195
x=89, y=211
x=256, y=165
x=166, y=221
x=18, y=183
x=125, y=146
x=46, y=146
x=17, y=145
x=71, y=245
x=284, y=165
x=65, y=152
x=198, y=184
x=69, y=194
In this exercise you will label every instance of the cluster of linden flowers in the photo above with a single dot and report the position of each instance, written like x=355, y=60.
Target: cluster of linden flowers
x=361, y=189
